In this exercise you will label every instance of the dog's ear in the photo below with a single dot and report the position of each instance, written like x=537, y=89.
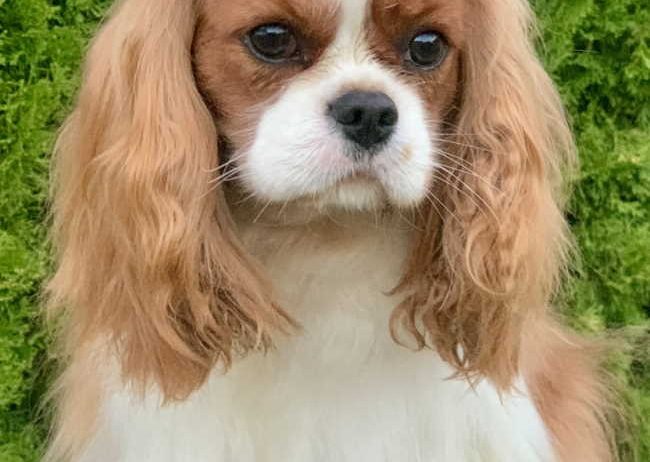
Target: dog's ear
x=494, y=244
x=147, y=259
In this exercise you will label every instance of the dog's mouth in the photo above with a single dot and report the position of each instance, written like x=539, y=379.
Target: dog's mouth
x=331, y=178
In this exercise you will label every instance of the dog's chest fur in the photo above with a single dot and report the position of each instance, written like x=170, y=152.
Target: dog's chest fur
x=339, y=391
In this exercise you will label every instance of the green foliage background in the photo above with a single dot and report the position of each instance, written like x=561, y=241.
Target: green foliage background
x=597, y=51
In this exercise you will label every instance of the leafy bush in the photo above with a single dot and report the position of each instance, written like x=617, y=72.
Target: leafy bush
x=597, y=51
x=41, y=42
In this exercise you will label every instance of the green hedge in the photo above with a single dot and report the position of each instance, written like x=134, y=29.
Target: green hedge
x=597, y=51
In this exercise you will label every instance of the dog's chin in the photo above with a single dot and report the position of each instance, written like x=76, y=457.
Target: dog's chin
x=360, y=193
x=356, y=195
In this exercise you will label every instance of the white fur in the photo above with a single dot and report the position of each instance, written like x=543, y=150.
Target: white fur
x=342, y=391
x=298, y=151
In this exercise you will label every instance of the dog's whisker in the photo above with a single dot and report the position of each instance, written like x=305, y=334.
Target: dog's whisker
x=259, y=215
x=470, y=172
x=470, y=195
x=432, y=196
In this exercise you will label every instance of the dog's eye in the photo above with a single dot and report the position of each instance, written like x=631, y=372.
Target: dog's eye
x=427, y=50
x=272, y=43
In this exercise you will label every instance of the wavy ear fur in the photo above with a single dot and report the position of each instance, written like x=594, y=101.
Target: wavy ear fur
x=147, y=257
x=493, y=246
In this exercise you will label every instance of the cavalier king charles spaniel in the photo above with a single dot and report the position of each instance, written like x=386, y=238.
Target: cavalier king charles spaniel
x=317, y=230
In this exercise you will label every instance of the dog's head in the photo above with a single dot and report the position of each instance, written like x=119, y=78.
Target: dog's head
x=436, y=106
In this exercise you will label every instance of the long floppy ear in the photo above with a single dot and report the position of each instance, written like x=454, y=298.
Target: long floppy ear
x=147, y=258
x=493, y=246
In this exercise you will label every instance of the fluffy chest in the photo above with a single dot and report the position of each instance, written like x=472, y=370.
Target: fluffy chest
x=340, y=390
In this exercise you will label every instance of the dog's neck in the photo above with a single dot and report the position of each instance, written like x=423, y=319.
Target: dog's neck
x=321, y=261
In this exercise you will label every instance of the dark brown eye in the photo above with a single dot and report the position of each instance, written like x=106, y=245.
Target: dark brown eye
x=272, y=43
x=427, y=50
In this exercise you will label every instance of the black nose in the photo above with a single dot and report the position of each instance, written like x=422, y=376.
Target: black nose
x=366, y=118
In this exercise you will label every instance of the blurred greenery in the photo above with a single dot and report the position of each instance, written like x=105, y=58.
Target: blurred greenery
x=596, y=50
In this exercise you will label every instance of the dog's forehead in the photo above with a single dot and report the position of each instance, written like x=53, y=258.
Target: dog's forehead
x=355, y=12
x=355, y=17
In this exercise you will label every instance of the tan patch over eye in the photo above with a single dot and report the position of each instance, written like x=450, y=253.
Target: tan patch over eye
x=237, y=51
x=422, y=40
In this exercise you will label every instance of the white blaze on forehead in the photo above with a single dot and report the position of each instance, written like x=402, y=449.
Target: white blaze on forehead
x=353, y=19
x=350, y=34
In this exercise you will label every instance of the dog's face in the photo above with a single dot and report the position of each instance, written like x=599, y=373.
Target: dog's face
x=339, y=102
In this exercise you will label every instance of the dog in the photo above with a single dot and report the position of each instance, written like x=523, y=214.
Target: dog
x=317, y=230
